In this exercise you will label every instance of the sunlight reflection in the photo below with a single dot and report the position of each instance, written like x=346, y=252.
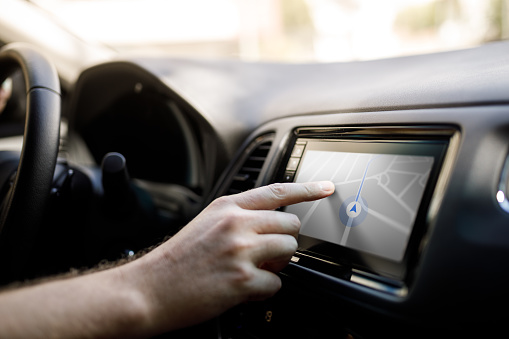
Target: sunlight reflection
x=500, y=196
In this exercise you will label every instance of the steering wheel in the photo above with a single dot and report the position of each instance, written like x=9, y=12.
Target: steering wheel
x=23, y=206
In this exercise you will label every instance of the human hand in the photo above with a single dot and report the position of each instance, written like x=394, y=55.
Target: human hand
x=227, y=255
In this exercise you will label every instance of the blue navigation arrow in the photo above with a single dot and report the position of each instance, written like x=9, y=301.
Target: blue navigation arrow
x=354, y=208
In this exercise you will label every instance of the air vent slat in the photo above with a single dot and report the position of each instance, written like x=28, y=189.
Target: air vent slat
x=257, y=159
x=264, y=147
x=246, y=177
x=251, y=169
x=241, y=177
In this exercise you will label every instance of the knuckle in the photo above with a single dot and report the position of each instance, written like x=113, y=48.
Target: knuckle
x=278, y=191
x=309, y=190
x=238, y=245
x=260, y=296
x=221, y=202
x=293, y=245
x=242, y=275
x=234, y=247
x=289, y=223
x=231, y=220
x=294, y=223
x=289, y=246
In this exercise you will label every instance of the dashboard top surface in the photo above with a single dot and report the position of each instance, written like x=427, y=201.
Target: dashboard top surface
x=236, y=97
x=256, y=92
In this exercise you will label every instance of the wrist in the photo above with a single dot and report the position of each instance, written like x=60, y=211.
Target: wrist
x=165, y=299
x=134, y=300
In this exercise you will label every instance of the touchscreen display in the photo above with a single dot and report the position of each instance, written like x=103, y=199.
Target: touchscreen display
x=379, y=188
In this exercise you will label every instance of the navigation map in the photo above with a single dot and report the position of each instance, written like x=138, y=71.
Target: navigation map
x=375, y=203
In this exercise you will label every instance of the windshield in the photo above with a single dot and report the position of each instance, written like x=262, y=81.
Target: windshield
x=284, y=30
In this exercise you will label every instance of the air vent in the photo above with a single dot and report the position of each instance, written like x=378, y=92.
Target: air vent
x=254, y=157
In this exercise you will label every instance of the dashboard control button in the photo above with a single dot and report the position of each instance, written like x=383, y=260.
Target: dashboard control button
x=298, y=150
x=293, y=163
x=288, y=177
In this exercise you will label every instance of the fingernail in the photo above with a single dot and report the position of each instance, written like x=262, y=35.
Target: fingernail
x=327, y=186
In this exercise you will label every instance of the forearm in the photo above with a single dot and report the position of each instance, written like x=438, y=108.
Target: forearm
x=102, y=304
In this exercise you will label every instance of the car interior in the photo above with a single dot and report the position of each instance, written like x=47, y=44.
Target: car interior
x=413, y=243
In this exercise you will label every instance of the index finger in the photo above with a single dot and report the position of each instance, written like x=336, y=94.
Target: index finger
x=276, y=195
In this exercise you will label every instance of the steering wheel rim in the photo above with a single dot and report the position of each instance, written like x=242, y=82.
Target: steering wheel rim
x=23, y=208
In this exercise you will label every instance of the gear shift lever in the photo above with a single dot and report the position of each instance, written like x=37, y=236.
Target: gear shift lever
x=118, y=192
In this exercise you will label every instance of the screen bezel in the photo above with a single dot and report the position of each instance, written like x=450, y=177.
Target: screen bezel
x=316, y=252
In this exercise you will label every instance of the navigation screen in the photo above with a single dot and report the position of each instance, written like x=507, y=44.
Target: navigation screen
x=379, y=188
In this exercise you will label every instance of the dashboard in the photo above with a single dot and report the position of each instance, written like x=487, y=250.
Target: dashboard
x=415, y=239
x=413, y=243
x=414, y=236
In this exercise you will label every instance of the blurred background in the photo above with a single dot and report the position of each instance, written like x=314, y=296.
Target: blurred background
x=284, y=30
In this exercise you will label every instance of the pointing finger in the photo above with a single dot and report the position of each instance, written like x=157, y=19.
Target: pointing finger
x=276, y=195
